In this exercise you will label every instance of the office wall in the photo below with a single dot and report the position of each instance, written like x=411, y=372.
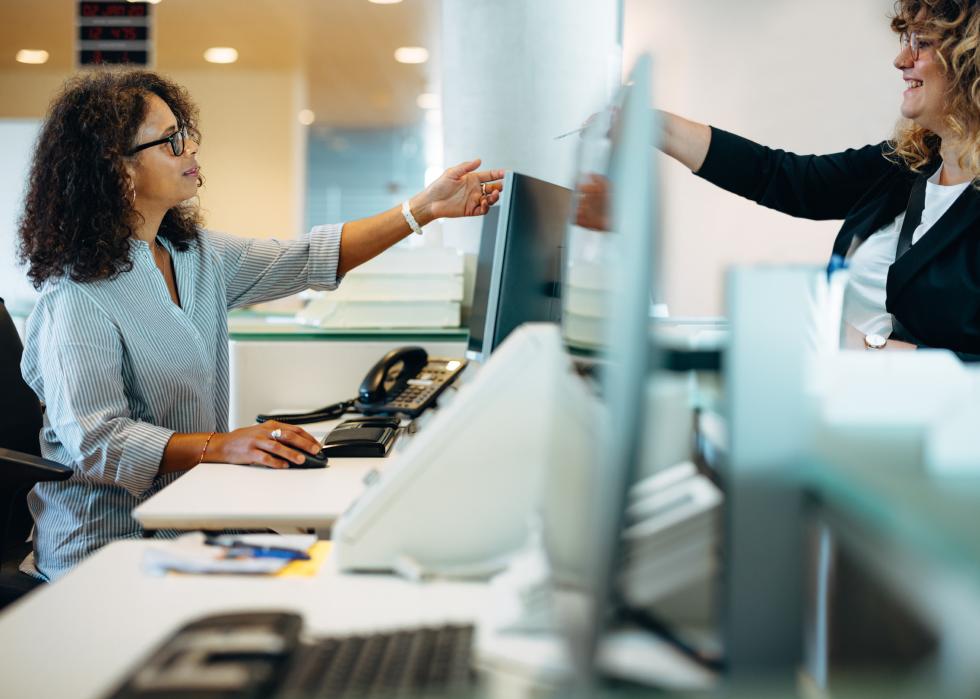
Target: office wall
x=353, y=173
x=804, y=76
x=515, y=75
x=253, y=155
x=16, y=143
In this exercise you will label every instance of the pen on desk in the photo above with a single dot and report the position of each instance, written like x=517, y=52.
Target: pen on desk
x=240, y=548
x=570, y=133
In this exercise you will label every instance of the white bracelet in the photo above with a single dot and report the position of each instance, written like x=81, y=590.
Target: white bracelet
x=409, y=219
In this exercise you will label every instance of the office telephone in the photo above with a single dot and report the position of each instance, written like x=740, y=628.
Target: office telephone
x=405, y=381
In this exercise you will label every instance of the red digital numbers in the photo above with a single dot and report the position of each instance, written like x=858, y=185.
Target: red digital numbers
x=112, y=9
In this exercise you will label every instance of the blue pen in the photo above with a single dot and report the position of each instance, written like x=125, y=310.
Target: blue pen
x=240, y=548
x=268, y=552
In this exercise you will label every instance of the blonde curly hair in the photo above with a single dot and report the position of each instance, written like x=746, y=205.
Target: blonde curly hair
x=954, y=25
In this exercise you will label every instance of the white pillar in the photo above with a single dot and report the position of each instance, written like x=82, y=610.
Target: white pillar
x=517, y=73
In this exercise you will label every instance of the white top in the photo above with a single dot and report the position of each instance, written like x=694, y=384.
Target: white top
x=864, y=298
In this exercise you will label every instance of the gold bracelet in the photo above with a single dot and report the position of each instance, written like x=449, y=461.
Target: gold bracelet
x=204, y=450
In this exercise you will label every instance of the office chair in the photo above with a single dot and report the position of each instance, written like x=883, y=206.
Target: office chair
x=21, y=465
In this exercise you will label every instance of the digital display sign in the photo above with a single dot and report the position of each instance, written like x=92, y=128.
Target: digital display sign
x=107, y=57
x=113, y=32
x=113, y=9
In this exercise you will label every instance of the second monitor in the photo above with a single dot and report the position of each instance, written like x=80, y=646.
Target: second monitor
x=519, y=269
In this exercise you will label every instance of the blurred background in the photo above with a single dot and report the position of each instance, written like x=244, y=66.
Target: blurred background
x=318, y=121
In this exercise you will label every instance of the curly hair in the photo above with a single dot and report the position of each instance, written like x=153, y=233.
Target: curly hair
x=78, y=213
x=956, y=26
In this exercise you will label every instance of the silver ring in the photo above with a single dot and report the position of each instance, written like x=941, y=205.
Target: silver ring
x=483, y=189
x=276, y=434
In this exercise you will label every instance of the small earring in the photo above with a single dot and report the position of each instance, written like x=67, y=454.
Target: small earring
x=132, y=194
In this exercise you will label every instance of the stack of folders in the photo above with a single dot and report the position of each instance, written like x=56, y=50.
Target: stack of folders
x=671, y=534
x=401, y=288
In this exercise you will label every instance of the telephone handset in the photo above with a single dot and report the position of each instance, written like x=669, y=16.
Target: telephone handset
x=390, y=373
x=405, y=381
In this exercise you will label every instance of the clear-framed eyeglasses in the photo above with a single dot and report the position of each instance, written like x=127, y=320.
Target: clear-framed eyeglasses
x=913, y=43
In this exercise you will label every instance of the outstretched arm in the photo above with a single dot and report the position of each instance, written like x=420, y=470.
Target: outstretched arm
x=818, y=187
x=684, y=140
x=456, y=193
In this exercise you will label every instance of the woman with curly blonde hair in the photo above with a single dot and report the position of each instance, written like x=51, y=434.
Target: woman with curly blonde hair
x=128, y=343
x=910, y=206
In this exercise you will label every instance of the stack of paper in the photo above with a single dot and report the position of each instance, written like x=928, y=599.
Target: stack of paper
x=671, y=536
x=586, y=301
x=401, y=288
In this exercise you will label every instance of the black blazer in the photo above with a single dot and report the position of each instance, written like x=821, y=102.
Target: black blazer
x=934, y=289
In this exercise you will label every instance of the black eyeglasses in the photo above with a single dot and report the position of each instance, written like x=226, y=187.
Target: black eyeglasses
x=176, y=141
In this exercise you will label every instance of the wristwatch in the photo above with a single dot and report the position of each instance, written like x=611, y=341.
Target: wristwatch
x=875, y=342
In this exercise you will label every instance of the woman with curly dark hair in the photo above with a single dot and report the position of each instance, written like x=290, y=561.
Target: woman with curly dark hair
x=128, y=343
x=910, y=206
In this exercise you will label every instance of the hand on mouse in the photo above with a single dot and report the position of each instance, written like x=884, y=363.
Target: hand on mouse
x=257, y=444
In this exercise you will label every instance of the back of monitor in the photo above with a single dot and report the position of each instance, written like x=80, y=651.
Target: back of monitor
x=461, y=498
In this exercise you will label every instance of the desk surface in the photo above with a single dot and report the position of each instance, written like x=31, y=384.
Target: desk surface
x=80, y=636
x=225, y=496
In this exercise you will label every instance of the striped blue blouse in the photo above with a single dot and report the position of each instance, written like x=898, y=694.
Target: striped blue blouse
x=120, y=368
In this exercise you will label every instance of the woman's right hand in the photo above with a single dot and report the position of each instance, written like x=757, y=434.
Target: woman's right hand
x=255, y=445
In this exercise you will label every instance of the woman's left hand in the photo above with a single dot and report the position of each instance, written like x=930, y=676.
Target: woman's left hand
x=458, y=192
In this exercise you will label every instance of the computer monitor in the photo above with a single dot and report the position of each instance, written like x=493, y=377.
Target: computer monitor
x=624, y=349
x=520, y=263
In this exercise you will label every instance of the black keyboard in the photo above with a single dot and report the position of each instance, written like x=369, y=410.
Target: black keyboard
x=414, y=663
x=253, y=655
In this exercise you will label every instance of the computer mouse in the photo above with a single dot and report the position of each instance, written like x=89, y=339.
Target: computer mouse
x=318, y=461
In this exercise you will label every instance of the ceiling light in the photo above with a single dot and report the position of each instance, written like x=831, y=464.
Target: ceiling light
x=385, y=2
x=306, y=117
x=151, y=2
x=427, y=100
x=33, y=56
x=221, y=54
x=411, y=54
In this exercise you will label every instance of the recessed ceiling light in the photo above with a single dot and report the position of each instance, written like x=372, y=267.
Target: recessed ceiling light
x=221, y=54
x=411, y=54
x=306, y=117
x=385, y=2
x=427, y=100
x=33, y=56
x=151, y=2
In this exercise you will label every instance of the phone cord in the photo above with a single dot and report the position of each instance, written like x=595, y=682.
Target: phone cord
x=327, y=412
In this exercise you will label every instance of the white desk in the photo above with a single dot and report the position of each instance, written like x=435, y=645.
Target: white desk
x=80, y=636
x=229, y=496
